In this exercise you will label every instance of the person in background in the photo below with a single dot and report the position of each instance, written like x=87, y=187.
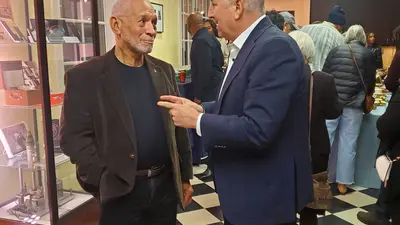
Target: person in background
x=127, y=151
x=388, y=204
x=392, y=79
x=206, y=60
x=326, y=36
x=257, y=129
x=373, y=46
x=341, y=66
x=325, y=106
x=206, y=68
x=290, y=22
x=212, y=28
x=276, y=18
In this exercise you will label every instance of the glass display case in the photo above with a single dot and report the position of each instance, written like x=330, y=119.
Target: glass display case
x=39, y=41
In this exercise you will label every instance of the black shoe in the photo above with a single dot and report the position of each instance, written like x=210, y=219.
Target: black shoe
x=372, y=218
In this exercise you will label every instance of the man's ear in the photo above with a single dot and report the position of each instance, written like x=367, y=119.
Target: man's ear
x=115, y=25
x=239, y=8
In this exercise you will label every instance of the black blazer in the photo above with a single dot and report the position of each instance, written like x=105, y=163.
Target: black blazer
x=326, y=106
x=206, y=65
x=98, y=134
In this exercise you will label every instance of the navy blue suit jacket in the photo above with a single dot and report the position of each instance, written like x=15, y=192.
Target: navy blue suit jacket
x=206, y=65
x=258, y=132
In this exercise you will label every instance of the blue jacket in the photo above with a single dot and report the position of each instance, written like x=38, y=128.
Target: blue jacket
x=206, y=65
x=258, y=132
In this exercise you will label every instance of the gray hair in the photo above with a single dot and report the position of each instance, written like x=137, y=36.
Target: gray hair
x=253, y=5
x=356, y=33
x=305, y=42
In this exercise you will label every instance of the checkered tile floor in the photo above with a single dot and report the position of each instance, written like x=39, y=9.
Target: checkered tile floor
x=205, y=209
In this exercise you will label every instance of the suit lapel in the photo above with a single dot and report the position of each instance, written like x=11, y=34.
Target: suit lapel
x=157, y=78
x=160, y=83
x=114, y=89
x=243, y=55
x=236, y=68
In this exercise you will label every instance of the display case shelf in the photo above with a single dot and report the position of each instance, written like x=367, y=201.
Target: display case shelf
x=44, y=186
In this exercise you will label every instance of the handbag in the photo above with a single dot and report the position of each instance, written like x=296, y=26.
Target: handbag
x=322, y=189
x=384, y=166
x=369, y=100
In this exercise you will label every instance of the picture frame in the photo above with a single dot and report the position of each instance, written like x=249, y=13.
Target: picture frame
x=160, y=16
x=13, y=139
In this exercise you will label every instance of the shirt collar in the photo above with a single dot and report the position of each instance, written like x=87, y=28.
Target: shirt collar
x=239, y=41
x=329, y=24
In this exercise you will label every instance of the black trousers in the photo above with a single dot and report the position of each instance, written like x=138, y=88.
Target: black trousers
x=153, y=201
x=309, y=216
x=391, y=208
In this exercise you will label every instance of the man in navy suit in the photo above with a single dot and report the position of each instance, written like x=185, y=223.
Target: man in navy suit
x=258, y=126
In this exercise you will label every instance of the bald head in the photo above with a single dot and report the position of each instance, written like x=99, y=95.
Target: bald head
x=124, y=7
x=195, y=22
x=134, y=24
x=195, y=18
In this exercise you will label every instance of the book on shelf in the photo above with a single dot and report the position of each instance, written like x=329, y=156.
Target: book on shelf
x=13, y=139
x=73, y=30
x=19, y=74
x=31, y=35
x=57, y=31
x=10, y=74
x=10, y=31
x=31, y=75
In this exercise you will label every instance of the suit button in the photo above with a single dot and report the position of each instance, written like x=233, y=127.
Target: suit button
x=132, y=156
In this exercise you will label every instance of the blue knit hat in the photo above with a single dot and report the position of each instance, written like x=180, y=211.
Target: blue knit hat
x=337, y=16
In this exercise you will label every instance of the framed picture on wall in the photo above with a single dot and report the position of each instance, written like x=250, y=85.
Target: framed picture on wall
x=160, y=16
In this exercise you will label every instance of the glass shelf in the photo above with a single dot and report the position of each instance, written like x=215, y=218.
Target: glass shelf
x=20, y=162
x=39, y=106
x=69, y=42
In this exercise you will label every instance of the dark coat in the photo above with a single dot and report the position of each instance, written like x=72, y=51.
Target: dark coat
x=206, y=60
x=341, y=66
x=325, y=106
x=377, y=51
x=258, y=132
x=389, y=132
x=392, y=79
x=97, y=131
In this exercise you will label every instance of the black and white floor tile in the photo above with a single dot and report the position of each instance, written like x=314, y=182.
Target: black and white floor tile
x=205, y=208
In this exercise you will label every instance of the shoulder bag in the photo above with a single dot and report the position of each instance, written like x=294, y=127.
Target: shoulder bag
x=369, y=100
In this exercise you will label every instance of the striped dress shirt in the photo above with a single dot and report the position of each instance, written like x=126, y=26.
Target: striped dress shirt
x=326, y=37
